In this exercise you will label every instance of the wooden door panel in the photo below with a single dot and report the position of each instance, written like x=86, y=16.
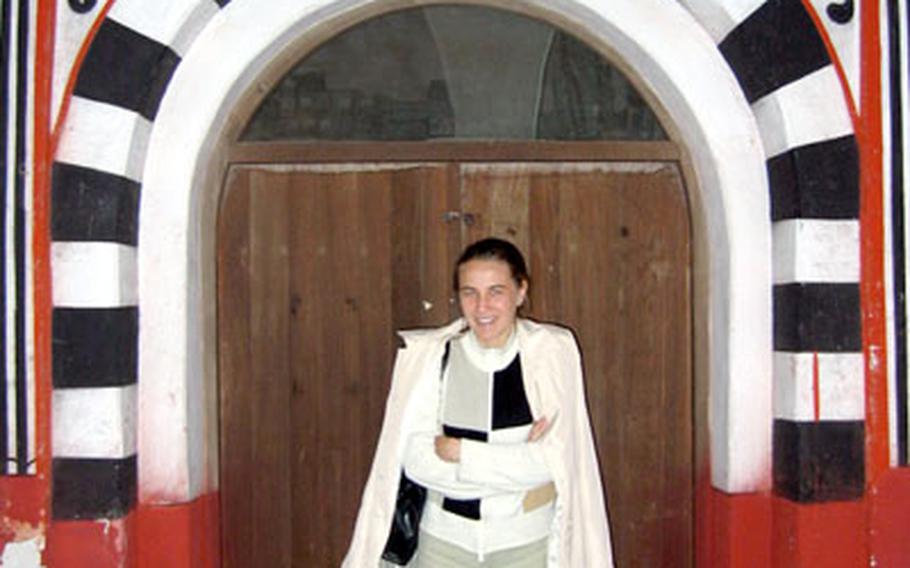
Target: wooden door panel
x=254, y=347
x=234, y=361
x=313, y=283
x=318, y=265
x=426, y=242
x=608, y=251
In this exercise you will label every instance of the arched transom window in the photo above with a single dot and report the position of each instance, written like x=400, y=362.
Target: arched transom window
x=454, y=72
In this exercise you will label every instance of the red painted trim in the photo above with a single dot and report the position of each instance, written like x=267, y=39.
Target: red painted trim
x=832, y=535
x=889, y=506
x=185, y=535
x=731, y=530
x=742, y=529
x=23, y=508
x=872, y=238
x=91, y=544
x=74, y=74
x=41, y=250
x=835, y=58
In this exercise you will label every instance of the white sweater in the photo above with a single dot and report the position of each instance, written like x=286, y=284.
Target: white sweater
x=480, y=503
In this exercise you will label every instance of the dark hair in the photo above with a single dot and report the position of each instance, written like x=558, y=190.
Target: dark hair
x=494, y=249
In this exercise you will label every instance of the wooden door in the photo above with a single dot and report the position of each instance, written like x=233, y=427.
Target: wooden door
x=318, y=265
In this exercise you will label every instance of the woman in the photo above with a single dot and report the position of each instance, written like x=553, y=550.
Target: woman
x=488, y=413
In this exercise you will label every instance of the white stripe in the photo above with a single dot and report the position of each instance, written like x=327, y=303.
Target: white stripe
x=803, y=112
x=816, y=250
x=9, y=253
x=842, y=394
x=174, y=23
x=94, y=275
x=104, y=137
x=94, y=422
x=721, y=18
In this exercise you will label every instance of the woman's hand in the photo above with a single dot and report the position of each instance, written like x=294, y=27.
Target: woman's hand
x=540, y=427
x=448, y=449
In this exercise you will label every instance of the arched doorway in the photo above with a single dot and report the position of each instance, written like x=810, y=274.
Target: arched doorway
x=326, y=248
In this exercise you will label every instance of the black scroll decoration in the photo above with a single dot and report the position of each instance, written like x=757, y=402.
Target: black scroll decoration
x=82, y=6
x=841, y=12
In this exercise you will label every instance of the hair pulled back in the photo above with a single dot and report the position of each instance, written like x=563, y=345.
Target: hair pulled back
x=492, y=248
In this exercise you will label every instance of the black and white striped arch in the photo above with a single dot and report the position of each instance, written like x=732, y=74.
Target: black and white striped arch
x=785, y=73
x=96, y=183
x=788, y=77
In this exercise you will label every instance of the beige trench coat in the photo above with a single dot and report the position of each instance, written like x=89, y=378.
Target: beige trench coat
x=551, y=366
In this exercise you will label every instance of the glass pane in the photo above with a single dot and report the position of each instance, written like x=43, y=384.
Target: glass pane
x=444, y=72
x=585, y=98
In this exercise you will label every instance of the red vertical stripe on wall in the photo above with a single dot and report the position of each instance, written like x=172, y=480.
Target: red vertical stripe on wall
x=872, y=236
x=42, y=296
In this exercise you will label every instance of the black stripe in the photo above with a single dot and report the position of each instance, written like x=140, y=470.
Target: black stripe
x=95, y=347
x=898, y=228
x=510, y=403
x=91, y=205
x=776, y=45
x=817, y=317
x=127, y=69
x=4, y=114
x=816, y=181
x=465, y=433
x=222, y=3
x=469, y=508
x=19, y=221
x=819, y=461
x=93, y=488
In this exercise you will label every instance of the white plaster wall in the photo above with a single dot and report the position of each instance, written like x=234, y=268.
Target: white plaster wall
x=177, y=383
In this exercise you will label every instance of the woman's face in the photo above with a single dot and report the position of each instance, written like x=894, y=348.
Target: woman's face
x=489, y=299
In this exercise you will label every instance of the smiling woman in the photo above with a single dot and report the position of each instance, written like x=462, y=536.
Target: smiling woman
x=491, y=281
x=472, y=418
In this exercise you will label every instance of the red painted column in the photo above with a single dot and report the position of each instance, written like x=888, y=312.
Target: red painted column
x=889, y=518
x=872, y=238
x=185, y=535
x=91, y=544
x=832, y=535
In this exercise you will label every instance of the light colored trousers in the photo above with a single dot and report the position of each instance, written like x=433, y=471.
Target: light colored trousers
x=435, y=553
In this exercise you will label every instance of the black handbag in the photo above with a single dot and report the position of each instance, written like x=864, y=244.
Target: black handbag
x=402, y=541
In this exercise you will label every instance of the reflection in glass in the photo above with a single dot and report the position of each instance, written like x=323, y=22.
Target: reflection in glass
x=443, y=72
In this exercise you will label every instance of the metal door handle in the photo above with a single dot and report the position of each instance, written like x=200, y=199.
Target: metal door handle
x=467, y=218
